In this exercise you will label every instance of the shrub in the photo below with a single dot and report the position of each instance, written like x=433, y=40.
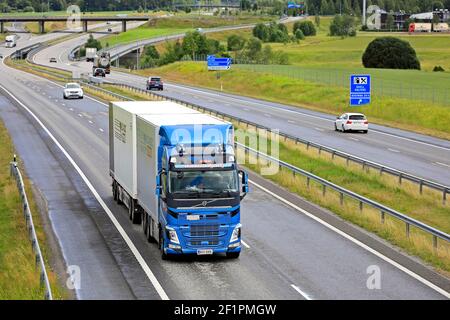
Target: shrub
x=299, y=34
x=307, y=28
x=390, y=53
x=438, y=69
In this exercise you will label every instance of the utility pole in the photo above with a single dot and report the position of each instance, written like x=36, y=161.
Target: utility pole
x=364, y=13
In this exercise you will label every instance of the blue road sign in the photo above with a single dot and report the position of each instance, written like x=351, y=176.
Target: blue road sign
x=215, y=63
x=360, y=89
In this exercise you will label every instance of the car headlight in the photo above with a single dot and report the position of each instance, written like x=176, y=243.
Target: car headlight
x=236, y=233
x=172, y=235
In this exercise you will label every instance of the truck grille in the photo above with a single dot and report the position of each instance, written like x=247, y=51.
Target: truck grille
x=204, y=230
x=201, y=235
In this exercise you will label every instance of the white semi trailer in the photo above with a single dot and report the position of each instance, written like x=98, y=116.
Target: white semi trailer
x=175, y=170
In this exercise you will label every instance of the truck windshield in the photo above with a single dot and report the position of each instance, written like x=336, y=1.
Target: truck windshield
x=212, y=183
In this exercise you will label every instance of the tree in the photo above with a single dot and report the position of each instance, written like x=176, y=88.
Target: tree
x=438, y=5
x=253, y=49
x=390, y=53
x=189, y=44
x=93, y=43
x=261, y=31
x=390, y=21
x=307, y=28
x=151, y=52
x=235, y=42
x=317, y=20
x=343, y=26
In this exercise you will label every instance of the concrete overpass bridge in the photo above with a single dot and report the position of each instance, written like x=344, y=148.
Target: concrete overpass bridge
x=83, y=20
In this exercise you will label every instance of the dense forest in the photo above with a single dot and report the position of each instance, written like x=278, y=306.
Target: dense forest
x=324, y=7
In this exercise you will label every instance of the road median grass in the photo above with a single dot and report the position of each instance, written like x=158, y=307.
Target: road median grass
x=19, y=276
x=419, y=116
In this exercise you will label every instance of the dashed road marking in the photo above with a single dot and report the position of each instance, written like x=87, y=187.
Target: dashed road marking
x=443, y=164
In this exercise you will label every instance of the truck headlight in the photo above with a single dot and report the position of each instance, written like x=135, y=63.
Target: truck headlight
x=172, y=235
x=236, y=233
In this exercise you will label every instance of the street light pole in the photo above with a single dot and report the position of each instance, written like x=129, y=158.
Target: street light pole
x=364, y=13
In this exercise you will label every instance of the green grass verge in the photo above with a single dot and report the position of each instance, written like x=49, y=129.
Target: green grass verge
x=427, y=118
x=139, y=33
x=179, y=23
x=19, y=277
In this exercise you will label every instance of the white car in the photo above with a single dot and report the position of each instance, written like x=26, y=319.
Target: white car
x=73, y=90
x=351, y=122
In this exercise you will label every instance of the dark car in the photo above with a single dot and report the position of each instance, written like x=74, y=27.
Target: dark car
x=53, y=59
x=99, y=72
x=154, y=83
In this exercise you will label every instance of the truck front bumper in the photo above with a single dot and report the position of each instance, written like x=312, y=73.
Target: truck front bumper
x=178, y=250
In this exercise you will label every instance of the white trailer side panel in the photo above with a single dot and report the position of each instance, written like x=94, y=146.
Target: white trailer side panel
x=124, y=151
x=147, y=166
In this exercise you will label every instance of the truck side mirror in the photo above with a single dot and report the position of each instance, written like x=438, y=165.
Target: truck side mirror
x=244, y=183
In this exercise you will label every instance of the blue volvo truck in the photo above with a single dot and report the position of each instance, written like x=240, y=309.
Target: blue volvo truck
x=175, y=170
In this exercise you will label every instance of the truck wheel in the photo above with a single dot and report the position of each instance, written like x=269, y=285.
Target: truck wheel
x=150, y=237
x=135, y=217
x=233, y=255
x=161, y=245
x=145, y=224
x=114, y=191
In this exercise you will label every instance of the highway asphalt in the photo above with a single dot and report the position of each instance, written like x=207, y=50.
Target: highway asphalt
x=414, y=153
x=288, y=255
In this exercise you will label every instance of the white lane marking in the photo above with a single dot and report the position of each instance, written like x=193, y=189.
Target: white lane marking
x=71, y=109
x=304, y=295
x=393, y=150
x=90, y=121
x=300, y=113
x=245, y=244
x=357, y=242
x=159, y=289
x=63, y=104
x=100, y=129
x=318, y=129
x=267, y=115
x=443, y=164
x=354, y=139
x=291, y=121
x=80, y=115
x=246, y=109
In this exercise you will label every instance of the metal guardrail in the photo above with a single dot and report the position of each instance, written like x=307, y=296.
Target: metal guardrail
x=362, y=200
x=98, y=89
x=334, y=153
x=31, y=230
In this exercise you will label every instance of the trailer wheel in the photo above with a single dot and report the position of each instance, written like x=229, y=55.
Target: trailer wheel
x=135, y=217
x=150, y=225
x=114, y=191
x=144, y=223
